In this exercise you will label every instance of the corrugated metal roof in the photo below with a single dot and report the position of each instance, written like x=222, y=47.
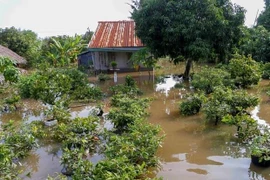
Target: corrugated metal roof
x=5, y=52
x=115, y=34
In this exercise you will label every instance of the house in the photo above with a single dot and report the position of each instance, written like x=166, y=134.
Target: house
x=112, y=41
x=5, y=52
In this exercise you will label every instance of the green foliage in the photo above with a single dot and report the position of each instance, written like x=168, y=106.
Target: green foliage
x=130, y=88
x=59, y=111
x=103, y=77
x=245, y=71
x=114, y=64
x=63, y=53
x=209, y=78
x=23, y=42
x=144, y=57
x=139, y=145
x=117, y=168
x=7, y=67
x=191, y=105
x=71, y=159
x=56, y=85
x=255, y=42
x=224, y=102
x=190, y=30
x=127, y=112
x=129, y=81
x=263, y=19
x=260, y=146
x=266, y=71
x=247, y=127
x=16, y=142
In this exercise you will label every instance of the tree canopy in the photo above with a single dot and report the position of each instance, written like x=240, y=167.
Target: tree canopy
x=256, y=42
x=190, y=30
x=23, y=42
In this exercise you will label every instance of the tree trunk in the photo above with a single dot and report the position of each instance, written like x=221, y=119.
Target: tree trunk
x=187, y=70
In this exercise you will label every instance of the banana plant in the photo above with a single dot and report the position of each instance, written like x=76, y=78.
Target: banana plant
x=66, y=52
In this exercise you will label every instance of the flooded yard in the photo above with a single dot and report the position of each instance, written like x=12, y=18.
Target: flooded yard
x=192, y=149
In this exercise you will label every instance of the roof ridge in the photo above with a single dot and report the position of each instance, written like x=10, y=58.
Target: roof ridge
x=115, y=21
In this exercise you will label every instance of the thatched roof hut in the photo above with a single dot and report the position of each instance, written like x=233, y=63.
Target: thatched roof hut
x=5, y=52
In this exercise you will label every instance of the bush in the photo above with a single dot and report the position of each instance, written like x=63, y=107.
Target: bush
x=209, y=78
x=224, y=102
x=191, y=106
x=266, y=71
x=58, y=84
x=127, y=112
x=245, y=71
x=103, y=77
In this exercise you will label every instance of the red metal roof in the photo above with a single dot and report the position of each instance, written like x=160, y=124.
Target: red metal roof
x=115, y=34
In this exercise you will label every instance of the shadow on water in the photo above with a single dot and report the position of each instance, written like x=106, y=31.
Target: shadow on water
x=192, y=149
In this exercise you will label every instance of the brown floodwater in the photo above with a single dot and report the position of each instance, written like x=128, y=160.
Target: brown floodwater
x=192, y=149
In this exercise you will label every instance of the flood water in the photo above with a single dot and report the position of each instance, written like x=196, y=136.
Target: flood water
x=192, y=149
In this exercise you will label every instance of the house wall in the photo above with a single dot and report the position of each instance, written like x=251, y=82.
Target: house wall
x=102, y=60
x=85, y=60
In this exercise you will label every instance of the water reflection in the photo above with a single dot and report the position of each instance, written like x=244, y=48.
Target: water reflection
x=167, y=83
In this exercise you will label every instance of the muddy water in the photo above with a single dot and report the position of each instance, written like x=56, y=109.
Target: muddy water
x=191, y=149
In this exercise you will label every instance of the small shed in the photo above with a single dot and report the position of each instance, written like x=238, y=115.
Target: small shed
x=112, y=41
x=5, y=52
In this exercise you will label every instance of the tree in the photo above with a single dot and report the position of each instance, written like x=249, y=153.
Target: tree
x=264, y=17
x=143, y=56
x=87, y=36
x=245, y=71
x=64, y=52
x=256, y=42
x=190, y=30
x=23, y=42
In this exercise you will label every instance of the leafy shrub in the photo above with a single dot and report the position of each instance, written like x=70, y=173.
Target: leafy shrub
x=247, y=127
x=130, y=88
x=129, y=81
x=103, y=77
x=8, y=69
x=139, y=145
x=16, y=142
x=58, y=84
x=209, y=78
x=116, y=168
x=260, y=146
x=191, y=106
x=226, y=101
x=266, y=71
x=245, y=71
x=127, y=112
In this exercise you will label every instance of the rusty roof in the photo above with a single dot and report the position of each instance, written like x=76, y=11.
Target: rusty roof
x=5, y=52
x=115, y=34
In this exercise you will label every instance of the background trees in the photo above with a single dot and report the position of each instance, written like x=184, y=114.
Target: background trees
x=23, y=42
x=264, y=18
x=190, y=30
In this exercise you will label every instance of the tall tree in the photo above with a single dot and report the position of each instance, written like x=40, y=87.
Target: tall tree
x=256, y=42
x=189, y=30
x=264, y=17
x=86, y=37
x=23, y=42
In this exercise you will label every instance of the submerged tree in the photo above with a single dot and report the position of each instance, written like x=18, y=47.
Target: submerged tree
x=189, y=30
